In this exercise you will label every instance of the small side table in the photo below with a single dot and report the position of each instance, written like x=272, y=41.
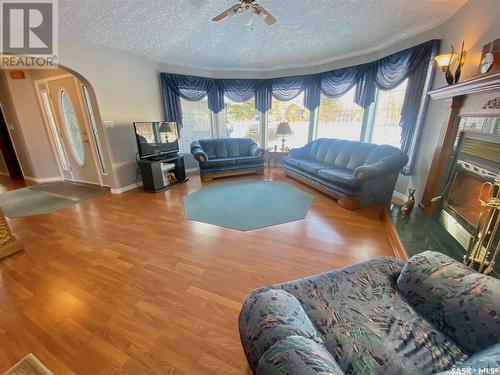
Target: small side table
x=277, y=156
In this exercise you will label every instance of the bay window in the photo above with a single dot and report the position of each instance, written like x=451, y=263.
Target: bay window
x=297, y=116
x=240, y=120
x=387, y=113
x=197, y=123
x=340, y=118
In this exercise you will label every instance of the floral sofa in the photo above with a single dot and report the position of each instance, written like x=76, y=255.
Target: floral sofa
x=227, y=157
x=427, y=316
x=357, y=174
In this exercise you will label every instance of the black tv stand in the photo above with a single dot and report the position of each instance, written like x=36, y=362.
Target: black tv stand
x=162, y=172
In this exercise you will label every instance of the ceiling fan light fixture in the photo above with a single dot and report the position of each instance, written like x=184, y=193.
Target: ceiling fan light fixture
x=247, y=15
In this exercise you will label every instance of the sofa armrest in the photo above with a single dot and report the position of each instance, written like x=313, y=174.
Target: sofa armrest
x=268, y=317
x=197, y=152
x=255, y=150
x=297, y=355
x=384, y=166
x=299, y=153
x=459, y=301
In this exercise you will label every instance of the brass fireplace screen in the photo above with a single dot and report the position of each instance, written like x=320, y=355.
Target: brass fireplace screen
x=477, y=161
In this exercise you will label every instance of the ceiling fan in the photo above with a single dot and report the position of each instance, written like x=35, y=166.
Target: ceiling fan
x=247, y=8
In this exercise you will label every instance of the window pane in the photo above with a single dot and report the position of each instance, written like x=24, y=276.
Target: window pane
x=340, y=117
x=54, y=131
x=293, y=112
x=386, y=129
x=196, y=121
x=72, y=129
x=90, y=112
x=240, y=120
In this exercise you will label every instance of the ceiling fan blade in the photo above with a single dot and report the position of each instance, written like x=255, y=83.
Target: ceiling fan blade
x=268, y=17
x=228, y=12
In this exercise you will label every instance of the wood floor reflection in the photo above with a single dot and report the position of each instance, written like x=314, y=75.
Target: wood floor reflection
x=124, y=284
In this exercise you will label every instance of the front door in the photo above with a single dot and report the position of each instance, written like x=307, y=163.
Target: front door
x=70, y=119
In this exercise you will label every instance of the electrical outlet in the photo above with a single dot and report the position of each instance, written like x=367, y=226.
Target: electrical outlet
x=108, y=124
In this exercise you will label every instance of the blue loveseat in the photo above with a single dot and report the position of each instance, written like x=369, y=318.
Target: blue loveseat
x=427, y=316
x=357, y=174
x=227, y=157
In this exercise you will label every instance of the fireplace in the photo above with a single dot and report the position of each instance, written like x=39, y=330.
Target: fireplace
x=476, y=162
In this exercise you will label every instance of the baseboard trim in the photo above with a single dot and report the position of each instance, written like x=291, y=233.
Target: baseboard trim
x=124, y=189
x=43, y=179
x=392, y=235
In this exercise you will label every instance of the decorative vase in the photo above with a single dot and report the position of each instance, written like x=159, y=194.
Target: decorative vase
x=408, y=206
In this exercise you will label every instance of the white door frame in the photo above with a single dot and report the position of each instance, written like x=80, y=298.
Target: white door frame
x=88, y=130
x=48, y=129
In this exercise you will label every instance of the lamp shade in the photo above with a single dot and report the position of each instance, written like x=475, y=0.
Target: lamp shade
x=284, y=129
x=445, y=60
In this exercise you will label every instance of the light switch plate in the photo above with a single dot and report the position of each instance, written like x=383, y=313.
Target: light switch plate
x=108, y=124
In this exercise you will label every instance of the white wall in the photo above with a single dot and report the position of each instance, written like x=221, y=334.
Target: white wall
x=31, y=127
x=127, y=89
x=477, y=23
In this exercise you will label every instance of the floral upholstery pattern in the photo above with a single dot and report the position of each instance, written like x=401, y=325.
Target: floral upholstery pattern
x=463, y=304
x=360, y=319
x=297, y=355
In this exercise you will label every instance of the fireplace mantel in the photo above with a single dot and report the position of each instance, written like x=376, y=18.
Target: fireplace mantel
x=485, y=84
x=480, y=84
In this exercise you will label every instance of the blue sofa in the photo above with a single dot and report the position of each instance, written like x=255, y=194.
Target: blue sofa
x=227, y=157
x=357, y=174
x=427, y=316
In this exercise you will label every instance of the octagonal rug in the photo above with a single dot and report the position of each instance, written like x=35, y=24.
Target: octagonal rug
x=246, y=205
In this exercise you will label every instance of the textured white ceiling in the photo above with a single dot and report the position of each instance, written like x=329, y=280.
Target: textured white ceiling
x=307, y=33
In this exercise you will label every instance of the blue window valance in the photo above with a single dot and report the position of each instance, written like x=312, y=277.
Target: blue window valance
x=385, y=73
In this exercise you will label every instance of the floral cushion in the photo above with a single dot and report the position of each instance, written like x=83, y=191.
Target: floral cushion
x=463, y=304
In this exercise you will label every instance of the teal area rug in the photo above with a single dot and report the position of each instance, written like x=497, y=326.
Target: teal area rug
x=246, y=205
x=45, y=198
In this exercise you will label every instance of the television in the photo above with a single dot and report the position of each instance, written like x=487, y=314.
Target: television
x=156, y=139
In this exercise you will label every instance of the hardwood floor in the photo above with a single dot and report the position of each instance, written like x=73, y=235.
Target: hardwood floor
x=124, y=284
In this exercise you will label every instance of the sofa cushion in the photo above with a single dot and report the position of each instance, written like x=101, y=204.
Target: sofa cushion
x=216, y=163
x=312, y=166
x=333, y=151
x=366, y=325
x=344, y=155
x=233, y=148
x=270, y=316
x=339, y=176
x=359, y=155
x=460, y=302
x=297, y=355
x=246, y=160
x=379, y=152
x=292, y=161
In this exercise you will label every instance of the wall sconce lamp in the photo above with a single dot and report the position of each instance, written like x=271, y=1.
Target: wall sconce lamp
x=448, y=60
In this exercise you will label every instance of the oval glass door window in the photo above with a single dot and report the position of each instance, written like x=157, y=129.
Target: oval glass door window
x=72, y=128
